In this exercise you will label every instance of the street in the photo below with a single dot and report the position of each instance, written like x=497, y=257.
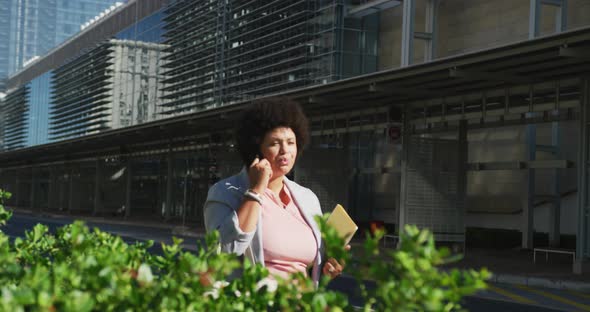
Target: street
x=498, y=297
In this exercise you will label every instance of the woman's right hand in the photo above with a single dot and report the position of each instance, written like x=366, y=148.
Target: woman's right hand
x=259, y=174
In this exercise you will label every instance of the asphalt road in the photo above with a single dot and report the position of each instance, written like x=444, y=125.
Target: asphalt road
x=497, y=298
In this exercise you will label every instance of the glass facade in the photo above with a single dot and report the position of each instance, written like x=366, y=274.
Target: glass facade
x=15, y=113
x=38, y=102
x=80, y=96
x=4, y=39
x=31, y=28
x=138, y=58
x=226, y=52
x=190, y=56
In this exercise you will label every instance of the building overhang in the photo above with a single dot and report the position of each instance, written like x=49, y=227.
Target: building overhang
x=549, y=58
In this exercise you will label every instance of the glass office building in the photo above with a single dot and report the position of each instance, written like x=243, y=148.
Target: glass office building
x=31, y=28
x=180, y=57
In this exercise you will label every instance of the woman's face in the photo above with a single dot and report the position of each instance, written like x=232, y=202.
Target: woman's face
x=279, y=147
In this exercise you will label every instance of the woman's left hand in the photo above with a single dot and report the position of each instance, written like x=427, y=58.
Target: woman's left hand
x=332, y=267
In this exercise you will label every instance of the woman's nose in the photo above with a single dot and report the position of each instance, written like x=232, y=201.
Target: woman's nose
x=283, y=148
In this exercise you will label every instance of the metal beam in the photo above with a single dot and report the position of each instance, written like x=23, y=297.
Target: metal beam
x=556, y=3
x=535, y=14
x=407, y=32
x=51, y=189
x=583, y=234
x=371, y=7
x=520, y=165
x=555, y=210
x=534, y=17
x=463, y=156
x=169, y=184
x=431, y=30
x=528, y=211
x=72, y=194
x=17, y=189
x=128, y=186
x=577, y=52
x=561, y=17
x=33, y=188
x=406, y=135
x=488, y=76
x=422, y=35
x=98, y=187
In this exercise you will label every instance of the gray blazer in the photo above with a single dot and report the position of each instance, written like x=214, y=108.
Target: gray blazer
x=225, y=197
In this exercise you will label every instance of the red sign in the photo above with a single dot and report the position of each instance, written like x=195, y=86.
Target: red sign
x=395, y=133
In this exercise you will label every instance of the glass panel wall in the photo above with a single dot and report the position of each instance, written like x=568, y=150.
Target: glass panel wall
x=38, y=122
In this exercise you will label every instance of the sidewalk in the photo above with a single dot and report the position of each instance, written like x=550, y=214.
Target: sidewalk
x=511, y=266
x=516, y=267
x=189, y=229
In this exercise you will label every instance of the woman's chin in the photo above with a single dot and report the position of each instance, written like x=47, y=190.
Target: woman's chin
x=282, y=171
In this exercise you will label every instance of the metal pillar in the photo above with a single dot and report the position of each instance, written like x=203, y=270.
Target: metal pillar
x=406, y=135
x=528, y=211
x=582, y=263
x=535, y=16
x=169, y=180
x=16, y=189
x=408, y=33
x=128, y=186
x=462, y=160
x=98, y=187
x=33, y=188
x=62, y=191
x=555, y=210
x=50, y=188
x=429, y=36
x=71, y=193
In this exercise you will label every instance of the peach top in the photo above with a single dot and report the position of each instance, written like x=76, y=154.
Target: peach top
x=288, y=242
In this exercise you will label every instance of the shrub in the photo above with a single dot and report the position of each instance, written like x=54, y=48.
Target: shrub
x=78, y=269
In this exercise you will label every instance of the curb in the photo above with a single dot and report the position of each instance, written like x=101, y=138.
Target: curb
x=186, y=231
x=539, y=282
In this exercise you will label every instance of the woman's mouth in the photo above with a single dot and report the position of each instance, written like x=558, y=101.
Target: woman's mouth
x=283, y=162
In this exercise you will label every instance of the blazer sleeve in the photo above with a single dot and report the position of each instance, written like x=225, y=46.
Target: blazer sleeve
x=220, y=214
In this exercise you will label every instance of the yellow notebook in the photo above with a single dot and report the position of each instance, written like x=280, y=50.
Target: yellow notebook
x=342, y=222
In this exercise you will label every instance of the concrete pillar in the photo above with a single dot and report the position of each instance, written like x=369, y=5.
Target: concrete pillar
x=98, y=187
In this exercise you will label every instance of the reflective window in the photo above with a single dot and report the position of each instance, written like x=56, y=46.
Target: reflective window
x=38, y=121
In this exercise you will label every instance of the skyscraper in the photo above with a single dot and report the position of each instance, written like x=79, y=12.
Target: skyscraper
x=30, y=28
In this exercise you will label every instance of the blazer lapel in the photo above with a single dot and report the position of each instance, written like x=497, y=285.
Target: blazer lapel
x=305, y=205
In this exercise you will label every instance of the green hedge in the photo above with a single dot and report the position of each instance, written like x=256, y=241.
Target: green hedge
x=78, y=269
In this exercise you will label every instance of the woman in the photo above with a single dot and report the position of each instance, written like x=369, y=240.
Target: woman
x=259, y=212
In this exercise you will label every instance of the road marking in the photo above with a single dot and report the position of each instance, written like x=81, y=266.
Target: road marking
x=557, y=298
x=510, y=295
